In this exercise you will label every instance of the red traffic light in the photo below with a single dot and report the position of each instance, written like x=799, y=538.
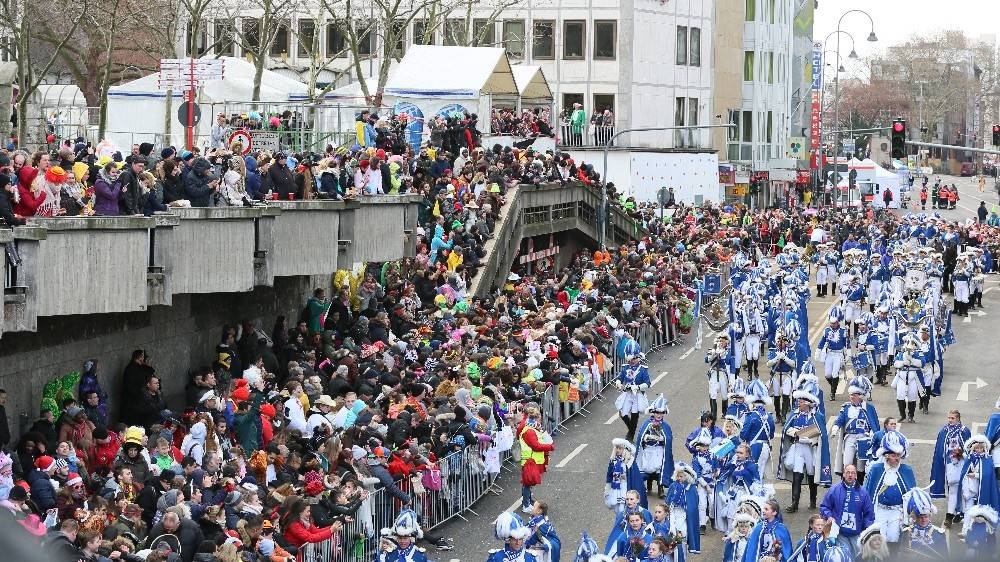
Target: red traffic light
x=996, y=129
x=898, y=126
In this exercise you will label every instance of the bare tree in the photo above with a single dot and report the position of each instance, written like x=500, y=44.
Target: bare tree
x=24, y=31
x=308, y=42
x=258, y=34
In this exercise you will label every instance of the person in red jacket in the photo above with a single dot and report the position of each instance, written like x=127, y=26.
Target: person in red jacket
x=28, y=199
x=536, y=445
x=267, y=413
x=298, y=528
x=103, y=451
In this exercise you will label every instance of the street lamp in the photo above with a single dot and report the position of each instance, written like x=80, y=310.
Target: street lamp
x=836, y=109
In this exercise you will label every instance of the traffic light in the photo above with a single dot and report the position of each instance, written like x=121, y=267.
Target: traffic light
x=899, y=139
x=996, y=135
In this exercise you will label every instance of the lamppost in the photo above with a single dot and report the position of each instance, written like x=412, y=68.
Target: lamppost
x=822, y=102
x=836, y=109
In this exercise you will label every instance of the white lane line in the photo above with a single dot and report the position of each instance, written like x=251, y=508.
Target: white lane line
x=967, y=320
x=659, y=378
x=687, y=353
x=572, y=454
x=611, y=420
x=922, y=441
x=815, y=337
x=514, y=506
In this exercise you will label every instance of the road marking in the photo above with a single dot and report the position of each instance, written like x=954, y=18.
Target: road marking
x=963, y=392
x=659, y=378
x=572, y=454
x=687, y=353
x=921, y=441
x=815, y=338
x=514, y=506
x=611, y=420
x=978, y=428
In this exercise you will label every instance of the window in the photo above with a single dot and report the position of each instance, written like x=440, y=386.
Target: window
x=398, y=34
x=770, y=123
x=569, y=100
x=692, y=112
x=366, y=39
x=251, y=34
x=543, y=39
x=485, y=33
x=770, y=14
x=605, y=39
x=747, y=126
x=199, y=45
x=751, y=13
x=574, y=39
x=281, y=44
x=748, y=66
x=682, y=45
x=604, y=101
x=421, y=34
x=679, y=114
x=733, y=133
x=695, y=46
x=454, y=32
x=770, y=68
x=336, y=41
x=307, y=35
x=513, y=37
x=225, y=30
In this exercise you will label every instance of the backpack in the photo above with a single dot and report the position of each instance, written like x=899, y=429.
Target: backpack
x=431, y=478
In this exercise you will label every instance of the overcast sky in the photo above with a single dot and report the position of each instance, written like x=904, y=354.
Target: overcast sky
x=896, y=20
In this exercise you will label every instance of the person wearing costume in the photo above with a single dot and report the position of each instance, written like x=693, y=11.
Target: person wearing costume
x=809, y=382
x=739, y=477
x=682, y=498
x=654, y=444
x=812, y=547
x=887, y=482
x=805, y=450
x=884, y=328
x=633, y=382
x=736, y=540
x=993, y=434
x=979, y=529
x=977, y=484
x=769, y=537
x=755, y=326
x=407, y=531
x=758, y=426
x=872, y=544
x=738, y=407
x=946, y=464
x=847, y=509
x=509, y=527
x=920, y=538
x=830, y=349
x=668, y=548
x=908, y=380
x=855, y=424
x=721, y=369
x=705, y=468
x=544, y=543
x=863, y=348
x=623, y=476
x=632, y=542
x=660, y=525
x=706, y=421
x=536, y=444
x=621, y=519
x=783, y=361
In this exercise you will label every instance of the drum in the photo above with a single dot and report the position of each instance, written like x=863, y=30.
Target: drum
x=915, y=280
x=808, y=432
x=864, y=448
x=862, y=361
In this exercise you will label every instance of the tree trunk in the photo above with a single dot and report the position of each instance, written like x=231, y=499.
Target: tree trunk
x=258, y=74
x=168, y=119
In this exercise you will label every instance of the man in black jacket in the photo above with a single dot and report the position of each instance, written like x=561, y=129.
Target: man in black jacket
x=188, y=533
x=131, y=202
x=198, y=183
x=7, y=194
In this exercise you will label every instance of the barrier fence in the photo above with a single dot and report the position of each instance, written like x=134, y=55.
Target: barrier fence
x=461, y=479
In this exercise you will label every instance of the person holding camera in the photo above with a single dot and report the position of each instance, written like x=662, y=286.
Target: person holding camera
x=201, y=183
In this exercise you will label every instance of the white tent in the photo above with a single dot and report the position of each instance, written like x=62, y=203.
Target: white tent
x=531, y=82
x=136, y=109
x=432, y=71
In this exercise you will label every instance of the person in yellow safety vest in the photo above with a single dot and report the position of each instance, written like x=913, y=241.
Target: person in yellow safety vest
x=536, y=445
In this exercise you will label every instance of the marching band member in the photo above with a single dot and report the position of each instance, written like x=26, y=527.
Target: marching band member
x=805, y=450
x=738, y=478
x=831, y=350
x=808, y=381
x=543, y=539
x=682, y=497
x=863, y=348
x=878, y=278
x=920, y=537
x=660, y=525
x=707, y=421
x=993, y=434
x=736, y=333
x=897, y=275
x=929, y=349
x=632, y=381
x=858, y=421
x=407, y=531
x=812, y=547
x=978, y=482
x=721, y=367
x=885, y=330
x=655, y=443
x=907, y=381
x=769, y=538
x=758, y=427
x=960, y=280
x=509, y=528
x=888, y=480
x=755, y=326
x=854, y=296
x=978, y=280
x=705, y=468
x=738, y=407
x=825, y=262
x=623, y=476
x=783, y=361
x=946, y=464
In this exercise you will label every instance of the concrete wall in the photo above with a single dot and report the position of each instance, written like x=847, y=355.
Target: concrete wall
x=177, y=337
x=79, y=253
x=381, y=228
x=211, y=250
x=306, y=235
x=6, y=237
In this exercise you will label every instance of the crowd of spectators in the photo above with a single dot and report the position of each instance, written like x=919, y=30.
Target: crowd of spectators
x=532, y=122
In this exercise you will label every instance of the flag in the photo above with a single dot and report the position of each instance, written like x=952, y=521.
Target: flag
x=697, y=310
x=732, y=320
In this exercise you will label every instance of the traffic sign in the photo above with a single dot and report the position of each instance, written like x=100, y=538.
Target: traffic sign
x=266, y=140
x=244, y=138
x=182, y=114
x=188, y=74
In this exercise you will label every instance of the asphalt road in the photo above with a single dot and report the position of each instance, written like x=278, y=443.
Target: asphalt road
x=573, y=485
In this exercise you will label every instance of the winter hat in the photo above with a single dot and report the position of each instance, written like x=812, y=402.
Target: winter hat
x=80, y=169
x=45, y=463
x=74, y=479
x=166, y=153
x=266, y=547
x=55, y=174
x=233, y=498
x=268, y=410
x=241, y=394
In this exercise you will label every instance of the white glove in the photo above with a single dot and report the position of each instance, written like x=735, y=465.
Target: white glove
x=834, y=431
